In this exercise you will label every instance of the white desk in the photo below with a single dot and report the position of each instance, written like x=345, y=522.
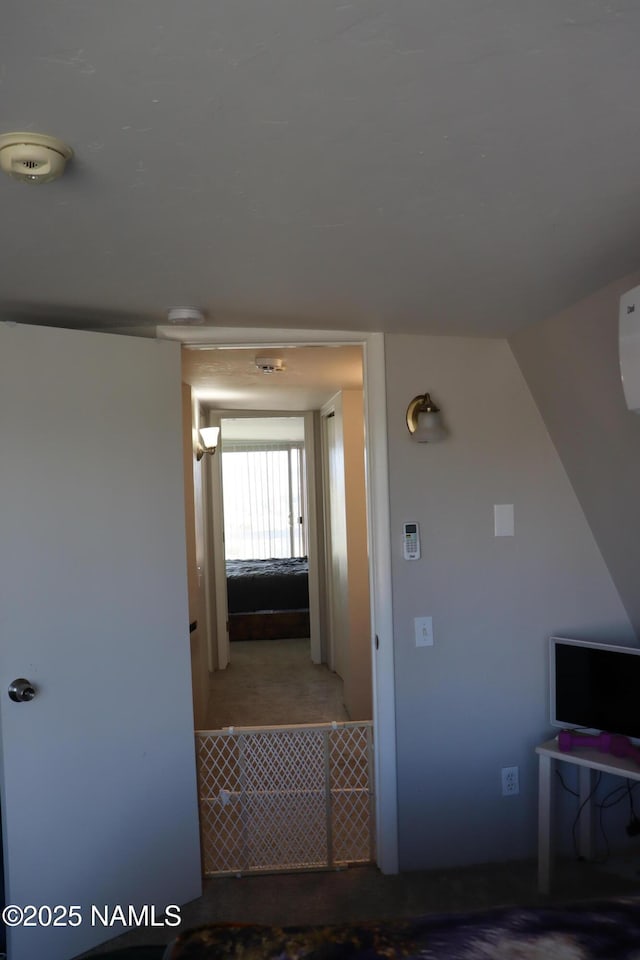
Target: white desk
x=587, y=760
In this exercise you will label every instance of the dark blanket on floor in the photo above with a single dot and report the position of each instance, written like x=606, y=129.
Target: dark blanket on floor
x=608, y=930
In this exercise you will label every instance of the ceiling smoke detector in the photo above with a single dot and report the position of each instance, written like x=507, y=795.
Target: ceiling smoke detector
x=33, y=157
x=270, y=364
x=186, y=316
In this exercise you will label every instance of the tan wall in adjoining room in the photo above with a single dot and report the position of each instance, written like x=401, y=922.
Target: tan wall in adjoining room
x=349, y=561
x=320, y=534
x=358, y=682
x=199, y=668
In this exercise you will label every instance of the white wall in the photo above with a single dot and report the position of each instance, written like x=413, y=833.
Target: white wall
x=477, y=700
x=572, y=366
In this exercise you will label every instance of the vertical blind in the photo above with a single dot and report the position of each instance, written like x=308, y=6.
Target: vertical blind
x=263, y=495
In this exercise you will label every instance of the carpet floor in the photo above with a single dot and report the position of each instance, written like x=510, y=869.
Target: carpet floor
x=271, y=682
x=364, y=894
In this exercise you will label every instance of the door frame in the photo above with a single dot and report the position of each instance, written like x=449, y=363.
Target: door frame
x=379, y=535
x=327, y=412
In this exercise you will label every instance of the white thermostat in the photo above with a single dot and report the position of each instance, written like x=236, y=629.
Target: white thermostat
x=411, y=541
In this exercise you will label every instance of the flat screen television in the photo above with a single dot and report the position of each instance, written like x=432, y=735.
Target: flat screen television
x=595, y=687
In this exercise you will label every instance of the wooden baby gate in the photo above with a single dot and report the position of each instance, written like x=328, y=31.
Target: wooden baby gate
x=286, y=798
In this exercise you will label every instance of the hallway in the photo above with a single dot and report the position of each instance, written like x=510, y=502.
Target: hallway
x=272, y=682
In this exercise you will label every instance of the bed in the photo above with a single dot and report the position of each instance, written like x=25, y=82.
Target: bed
x=268, y=599
x=606, y=930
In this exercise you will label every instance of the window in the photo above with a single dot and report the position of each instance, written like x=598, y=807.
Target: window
x=263, y=490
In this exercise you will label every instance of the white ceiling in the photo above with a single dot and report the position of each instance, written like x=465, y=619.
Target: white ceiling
x=229, y=379
x=448, y=166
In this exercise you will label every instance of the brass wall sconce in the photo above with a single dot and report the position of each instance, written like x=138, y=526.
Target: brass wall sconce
x=424, y=421
x=208, y=441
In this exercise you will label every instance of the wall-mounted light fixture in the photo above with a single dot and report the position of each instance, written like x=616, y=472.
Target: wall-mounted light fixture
x=424, y=421
x=208, y=441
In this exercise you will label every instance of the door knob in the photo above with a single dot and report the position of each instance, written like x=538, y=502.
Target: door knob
x=21, y=690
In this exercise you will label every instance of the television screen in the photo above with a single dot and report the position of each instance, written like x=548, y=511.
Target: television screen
x=595, y=687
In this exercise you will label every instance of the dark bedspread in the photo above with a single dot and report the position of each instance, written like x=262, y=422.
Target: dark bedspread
x=276, y=584
x=608, y=930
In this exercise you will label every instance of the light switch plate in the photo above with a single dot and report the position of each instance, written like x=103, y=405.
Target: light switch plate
x=503, y=520
x=424, y=631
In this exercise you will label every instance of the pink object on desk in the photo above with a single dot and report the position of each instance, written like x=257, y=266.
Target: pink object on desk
x=613, y=743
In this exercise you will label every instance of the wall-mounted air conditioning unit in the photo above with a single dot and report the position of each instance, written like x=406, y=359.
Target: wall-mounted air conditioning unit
x=629, y=337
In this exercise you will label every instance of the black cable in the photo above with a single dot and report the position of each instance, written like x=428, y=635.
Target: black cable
x=633, y=827
x=607, y=802
x=615, y=796
x=573, y=793
x=603, y=859
x=586, y=800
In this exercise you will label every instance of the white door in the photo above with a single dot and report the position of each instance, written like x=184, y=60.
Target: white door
x=98, y=790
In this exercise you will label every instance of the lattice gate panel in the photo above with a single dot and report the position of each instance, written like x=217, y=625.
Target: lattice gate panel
x=221, y=825
x=286, y=798
x=353, y=814
x=284, y=777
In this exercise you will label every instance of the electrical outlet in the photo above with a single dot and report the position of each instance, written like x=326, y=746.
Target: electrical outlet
x=510, y=781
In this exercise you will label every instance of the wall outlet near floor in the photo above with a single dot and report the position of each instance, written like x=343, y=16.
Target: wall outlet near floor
x=510, y=781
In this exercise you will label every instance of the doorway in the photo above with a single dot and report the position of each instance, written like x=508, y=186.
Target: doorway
x=268, y=547
x=266, y=544
x=271, y=509
x=379, y=541
x=215, y=559
x=265, y=527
